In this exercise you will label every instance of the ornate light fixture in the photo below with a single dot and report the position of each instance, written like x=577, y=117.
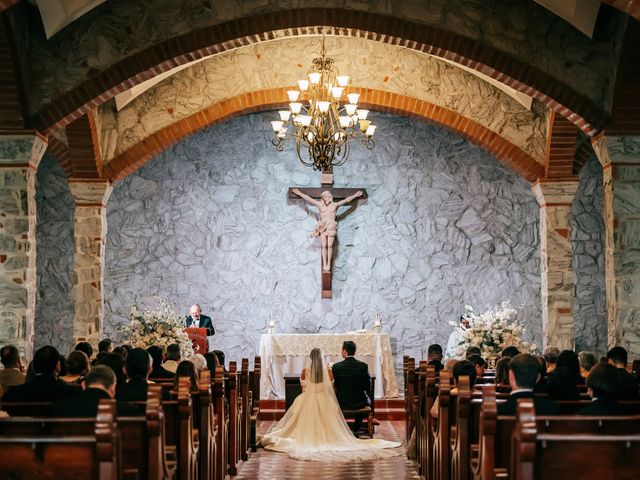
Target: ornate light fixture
x=320, y=124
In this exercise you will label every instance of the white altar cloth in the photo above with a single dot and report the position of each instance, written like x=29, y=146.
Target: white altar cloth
x=285, y=354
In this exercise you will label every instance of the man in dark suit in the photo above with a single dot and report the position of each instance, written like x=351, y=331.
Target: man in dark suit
x=100, y=383
x=11, y=374
x=603, y=384
x=617, y=357
x=197, y=320
x=434, y=356
x=45, y=385
x=523, y=375
x=157, y=370
x=352, y=382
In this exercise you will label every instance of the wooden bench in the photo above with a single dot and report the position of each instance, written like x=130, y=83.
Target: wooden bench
x=207, y=423
x=220, y=410
x=254, y=386
x=49, y=455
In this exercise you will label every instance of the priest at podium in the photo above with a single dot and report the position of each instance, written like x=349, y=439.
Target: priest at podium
x=197, y=320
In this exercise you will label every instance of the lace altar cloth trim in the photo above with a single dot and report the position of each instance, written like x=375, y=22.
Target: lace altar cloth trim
x=368, y=344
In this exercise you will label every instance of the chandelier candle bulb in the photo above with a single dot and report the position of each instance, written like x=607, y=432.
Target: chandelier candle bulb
x=295, y=107
x=364, y=124
x=314, y=78
x=324, y=106
x=343, y=80
x=353, y=97
x=345, y=122
x=303, y=84
x=370, y=130
x=277, y=125
x=336, y=92
x=362, y=114
x=293, y=95
x=350, y=109
x=305, y=120
x=284, y=115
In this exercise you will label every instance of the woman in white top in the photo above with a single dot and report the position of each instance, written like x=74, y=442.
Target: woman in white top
x=315, y=429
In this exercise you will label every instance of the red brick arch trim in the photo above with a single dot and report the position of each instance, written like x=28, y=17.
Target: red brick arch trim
x=168, y=54
x=508, y=153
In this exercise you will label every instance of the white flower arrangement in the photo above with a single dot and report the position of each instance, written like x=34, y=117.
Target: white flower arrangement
x=492, y=331
x=161, y=327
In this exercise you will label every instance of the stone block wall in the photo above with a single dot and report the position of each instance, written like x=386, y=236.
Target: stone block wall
x=587, y=236
x=208, y=221
x=54, y=257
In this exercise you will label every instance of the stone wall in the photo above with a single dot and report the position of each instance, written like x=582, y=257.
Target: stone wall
x=208, y=221
x=54, y=257
x=587, y=236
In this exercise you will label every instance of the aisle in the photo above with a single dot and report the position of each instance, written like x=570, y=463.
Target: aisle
x=277, y=466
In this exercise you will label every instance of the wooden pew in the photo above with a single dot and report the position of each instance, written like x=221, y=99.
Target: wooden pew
x=460, y=432
x=207, y=423
x=222, y=438
x=539, y=455
x=441, y=432
x=254, y=385
x=425, y=442
x=409, y=371
x=235, y=416
x=419, y=412
x=245, y=421
x=47, y=455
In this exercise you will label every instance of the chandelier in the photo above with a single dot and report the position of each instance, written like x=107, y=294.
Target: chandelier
x=320, y=124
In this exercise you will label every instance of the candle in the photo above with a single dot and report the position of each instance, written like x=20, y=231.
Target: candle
x=272, y=324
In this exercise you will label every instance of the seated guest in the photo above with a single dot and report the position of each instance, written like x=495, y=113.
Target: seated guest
x=137, y=368
x=221, y=359
x=551, y=357
x=121, y=351
x=44, y=385
x=77, y=367
x=100, y=383
x=617, y=357
x=186, y=369
x=199, y=362
x=157, y=370
x=603, y=385
x=563, y=381
x=460, y=369
x=116, y=363
x=12, y=374
x=541, y=385
x=172, y=357
x=502, y=371
x=86, y=348
x=105, y=345
x=523, y=375
x=212, y=362
x=472, y=351
x=479, y=363
x=568, y=359
x=509, y=352
x=587, y=361
x=434, y=356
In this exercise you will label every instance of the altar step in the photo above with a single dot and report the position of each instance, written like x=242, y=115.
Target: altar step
x=385, y=408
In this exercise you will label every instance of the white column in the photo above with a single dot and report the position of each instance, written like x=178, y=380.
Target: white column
x=555, y=199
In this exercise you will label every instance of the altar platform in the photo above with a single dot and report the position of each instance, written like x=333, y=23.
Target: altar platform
x=286, y=353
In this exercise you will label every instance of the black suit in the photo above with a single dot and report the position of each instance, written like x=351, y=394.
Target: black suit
x=86, y=405
x=136, y=390
x=352, y=382
x=42, y=388
x=205, y=322
x=628, y=386
x=542, y=406
x=158, y=371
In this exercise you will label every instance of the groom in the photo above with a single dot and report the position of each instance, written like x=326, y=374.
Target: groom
x=352, y=382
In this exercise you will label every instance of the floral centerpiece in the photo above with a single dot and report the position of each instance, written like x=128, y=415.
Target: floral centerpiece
x=162, y=326
x=492, y=331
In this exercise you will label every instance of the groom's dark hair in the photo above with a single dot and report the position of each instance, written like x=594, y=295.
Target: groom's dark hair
x=349, y=347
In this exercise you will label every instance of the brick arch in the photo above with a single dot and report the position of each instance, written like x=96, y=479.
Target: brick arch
x=509, y=154
x=179, y=50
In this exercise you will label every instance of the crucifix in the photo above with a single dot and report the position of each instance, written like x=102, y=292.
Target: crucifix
x=328, y=200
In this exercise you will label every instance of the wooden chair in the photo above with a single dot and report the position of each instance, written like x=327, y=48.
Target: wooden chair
x=49, y=455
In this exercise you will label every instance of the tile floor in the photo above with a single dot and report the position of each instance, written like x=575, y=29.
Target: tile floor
x=265, y=465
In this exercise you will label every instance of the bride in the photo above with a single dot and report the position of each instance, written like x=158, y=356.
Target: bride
x=314, y=427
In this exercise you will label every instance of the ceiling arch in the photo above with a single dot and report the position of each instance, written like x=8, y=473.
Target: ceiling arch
x=582, y=98
x=508, y=153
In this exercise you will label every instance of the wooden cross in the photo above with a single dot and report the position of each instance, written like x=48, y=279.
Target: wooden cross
x=338, y=195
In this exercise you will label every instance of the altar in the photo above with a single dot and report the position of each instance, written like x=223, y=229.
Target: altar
x=285, y=353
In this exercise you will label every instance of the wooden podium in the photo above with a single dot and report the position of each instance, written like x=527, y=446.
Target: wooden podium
x=198, y=338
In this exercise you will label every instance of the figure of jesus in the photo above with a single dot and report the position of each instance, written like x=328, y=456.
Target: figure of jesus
x=327, y=227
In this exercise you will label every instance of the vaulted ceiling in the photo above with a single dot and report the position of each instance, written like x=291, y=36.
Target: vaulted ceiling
x=474, y=67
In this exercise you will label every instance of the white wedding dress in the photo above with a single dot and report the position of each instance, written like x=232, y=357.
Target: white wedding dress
x=315, y=429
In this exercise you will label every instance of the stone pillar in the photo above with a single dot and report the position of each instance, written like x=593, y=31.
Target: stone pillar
x=555, y=199
x=90, y=233
x=620, y=159
x=20, y=155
